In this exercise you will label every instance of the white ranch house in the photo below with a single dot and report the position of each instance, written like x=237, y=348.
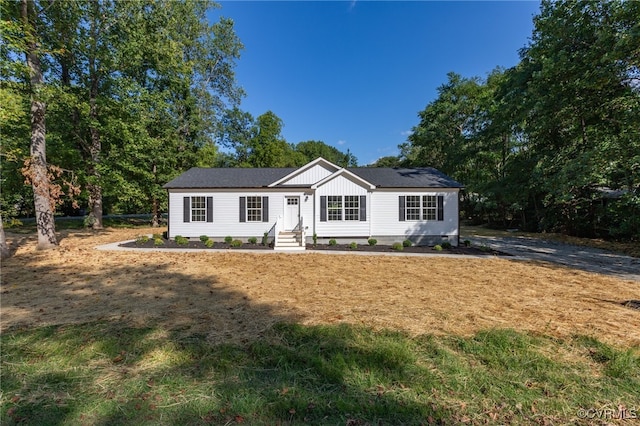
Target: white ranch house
x=293, y=204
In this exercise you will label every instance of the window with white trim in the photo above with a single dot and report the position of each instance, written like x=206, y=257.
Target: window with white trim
x=198, y=209
x=254, y=209
x=334, y=207
x=429, y=207
x=412, y=207
x=351, y=207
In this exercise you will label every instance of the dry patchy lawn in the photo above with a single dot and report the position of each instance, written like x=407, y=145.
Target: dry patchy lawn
x=234, y=297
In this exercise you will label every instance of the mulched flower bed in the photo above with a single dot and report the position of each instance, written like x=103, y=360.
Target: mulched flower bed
x=380, y=248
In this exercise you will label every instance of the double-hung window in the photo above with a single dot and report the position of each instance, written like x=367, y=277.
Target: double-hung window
x=429, y=207
x=351, y=207
x=334, y=207
x=198, y=209
x=254, y=209
x=343, y=208
x=421, y=208
x=412, y=210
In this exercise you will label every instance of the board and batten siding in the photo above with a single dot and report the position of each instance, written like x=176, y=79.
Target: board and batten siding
x=226, y=213
x=386, y=221
x=341, y=185
x=309, y=177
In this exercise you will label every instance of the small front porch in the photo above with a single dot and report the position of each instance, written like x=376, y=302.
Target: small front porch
x=289, y=240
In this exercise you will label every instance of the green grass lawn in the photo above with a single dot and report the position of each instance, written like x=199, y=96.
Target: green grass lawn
x=105, y=374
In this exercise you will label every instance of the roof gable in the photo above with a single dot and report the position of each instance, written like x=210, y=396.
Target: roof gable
x=347, y=174
x=308, y=174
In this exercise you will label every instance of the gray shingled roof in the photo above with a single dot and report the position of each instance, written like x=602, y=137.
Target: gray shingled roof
x=259, y=178
x=423, y=177
x=228, y=178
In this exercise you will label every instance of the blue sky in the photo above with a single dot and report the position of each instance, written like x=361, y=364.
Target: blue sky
x=355, y=74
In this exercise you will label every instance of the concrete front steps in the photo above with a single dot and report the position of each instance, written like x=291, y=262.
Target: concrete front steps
x=289, y=241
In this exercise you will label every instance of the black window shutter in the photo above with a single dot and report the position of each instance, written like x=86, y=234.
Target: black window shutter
x=440, y=207
x=323, y=208
x=265, y=209
x=243, y=209
x=186, y=215
x=401, y=216
x=209, y=209
x=363, y=208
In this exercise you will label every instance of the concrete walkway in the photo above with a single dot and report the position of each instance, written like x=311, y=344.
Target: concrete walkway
x=117, y=247
x=583, y=258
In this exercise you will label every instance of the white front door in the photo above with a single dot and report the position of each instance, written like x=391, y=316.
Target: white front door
x=291, y=213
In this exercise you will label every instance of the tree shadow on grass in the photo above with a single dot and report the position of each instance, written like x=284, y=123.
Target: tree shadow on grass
x=147, y=345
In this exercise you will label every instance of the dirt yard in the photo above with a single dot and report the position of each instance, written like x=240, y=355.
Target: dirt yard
x=234, y=297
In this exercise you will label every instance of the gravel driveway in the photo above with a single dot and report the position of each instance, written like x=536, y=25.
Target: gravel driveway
x=584, y=258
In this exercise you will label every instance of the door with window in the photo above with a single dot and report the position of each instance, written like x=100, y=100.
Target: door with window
x=291, y=213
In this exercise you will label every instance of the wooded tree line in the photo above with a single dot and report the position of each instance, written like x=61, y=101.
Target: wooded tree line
x=553, y=143
x=104, y=101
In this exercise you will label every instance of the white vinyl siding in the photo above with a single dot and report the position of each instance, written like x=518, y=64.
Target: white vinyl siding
x=385, y=219
x=339, y=186
x=225, y=217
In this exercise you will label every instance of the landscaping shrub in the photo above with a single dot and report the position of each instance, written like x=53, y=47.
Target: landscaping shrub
x=204, y=238
x=158, y=241
x=397, y=246
x=228, y=239
x=437, y=247
x=157, y=236
x=353, y=245
x=236, y=243
x=142, y=239
x=315, y=239
x=467, y=243
x=13, y=223
x=252, y=240
x=372, y=241
x=446, y=245
x=209, y=243
x=265, y=238
x=333, y=242
x=407, y=243
x=183, y=241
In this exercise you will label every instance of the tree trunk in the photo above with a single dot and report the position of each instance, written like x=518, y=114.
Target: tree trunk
x=95, y=144
x=155, y=220
x=38, y=171
x=4, y=249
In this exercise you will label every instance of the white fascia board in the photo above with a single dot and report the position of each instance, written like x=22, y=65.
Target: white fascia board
x=344, y=172
x=302, y=169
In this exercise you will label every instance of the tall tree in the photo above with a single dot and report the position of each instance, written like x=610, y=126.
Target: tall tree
x=36, y=167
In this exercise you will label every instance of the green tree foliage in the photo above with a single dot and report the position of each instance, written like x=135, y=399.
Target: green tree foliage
x=537, y=143
x=135, y=90
x=314, y=149
x=259, y=143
